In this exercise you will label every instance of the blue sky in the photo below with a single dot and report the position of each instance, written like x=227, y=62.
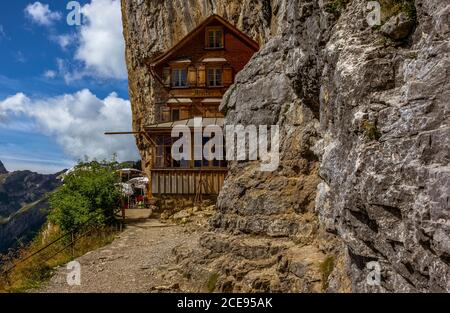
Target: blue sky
x=61, y=86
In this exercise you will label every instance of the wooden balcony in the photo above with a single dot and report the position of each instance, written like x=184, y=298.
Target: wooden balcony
x=198, y=92
x=187, y=181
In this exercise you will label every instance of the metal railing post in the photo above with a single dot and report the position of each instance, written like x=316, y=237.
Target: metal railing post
x=73, y=244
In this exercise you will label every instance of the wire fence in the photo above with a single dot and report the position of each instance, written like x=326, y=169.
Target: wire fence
x=74, y=235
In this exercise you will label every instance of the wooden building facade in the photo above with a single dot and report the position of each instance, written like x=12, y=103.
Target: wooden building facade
x=193, y=76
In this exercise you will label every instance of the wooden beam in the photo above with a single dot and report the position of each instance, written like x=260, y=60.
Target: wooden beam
x=123, y=133
x=149, y=139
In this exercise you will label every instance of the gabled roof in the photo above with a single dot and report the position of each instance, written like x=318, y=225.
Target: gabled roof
x=197, y=30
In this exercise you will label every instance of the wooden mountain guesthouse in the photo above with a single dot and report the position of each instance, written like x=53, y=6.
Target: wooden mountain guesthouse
x=192, y=78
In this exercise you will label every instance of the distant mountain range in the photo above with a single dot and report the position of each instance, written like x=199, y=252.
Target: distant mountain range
x=23, y=205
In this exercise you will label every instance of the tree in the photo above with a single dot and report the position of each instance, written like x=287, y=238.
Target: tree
x=89, y=195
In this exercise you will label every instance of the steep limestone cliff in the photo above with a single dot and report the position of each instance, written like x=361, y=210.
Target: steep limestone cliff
x=364, y=119
x=385, y=127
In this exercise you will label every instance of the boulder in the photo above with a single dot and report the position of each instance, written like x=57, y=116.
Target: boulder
x=398, y=27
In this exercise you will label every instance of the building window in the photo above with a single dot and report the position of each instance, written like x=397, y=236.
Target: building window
x=163, y=154
x=214, y=38
x=163, y=157
x=175, y=114
x=179, y=77
x=214, y=77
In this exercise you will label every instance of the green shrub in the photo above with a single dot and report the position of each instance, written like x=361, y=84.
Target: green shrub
x=89, y=193
x=335, y=7
x=212, y=281
x=391, y=8
x=326, y=267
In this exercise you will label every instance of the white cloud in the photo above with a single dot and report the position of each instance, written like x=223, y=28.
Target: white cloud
x=64, y=41
x=78, y=122
x=65, y=70
x=101, y=44
x=49, y=74
x=41, y=14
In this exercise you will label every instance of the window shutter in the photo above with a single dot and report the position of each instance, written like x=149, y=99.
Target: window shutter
x=192, y=76
x=227, y=76
x=184, y=114
x=166, y=76
x=201, y=76
x=165, y=114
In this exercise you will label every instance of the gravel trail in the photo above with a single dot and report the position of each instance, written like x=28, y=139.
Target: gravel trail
x=131, y=263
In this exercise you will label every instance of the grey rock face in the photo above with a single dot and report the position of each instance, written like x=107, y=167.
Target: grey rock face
x=364, y=142
x=384, y=164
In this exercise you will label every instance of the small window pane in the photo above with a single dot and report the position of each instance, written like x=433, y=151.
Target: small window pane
x=218, y=77
x=167, y=156
x=214, y=39
x=175, y=77
x=184, y=163
x=183, y=76
x=219, y=39
x=159, y=162
x=215, y=77
x=211, y=39
x=211, y=77
x=179, y=77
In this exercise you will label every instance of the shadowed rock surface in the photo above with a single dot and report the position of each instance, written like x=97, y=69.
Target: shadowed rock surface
x=2, y=169
x=365, y=141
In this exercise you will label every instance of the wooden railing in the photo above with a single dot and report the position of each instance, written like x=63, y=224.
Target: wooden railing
x=189, y=181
